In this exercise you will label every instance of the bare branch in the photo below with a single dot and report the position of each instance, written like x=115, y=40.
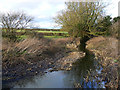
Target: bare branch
x=14, y=20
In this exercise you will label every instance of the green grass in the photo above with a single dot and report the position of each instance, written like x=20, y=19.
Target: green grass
x=54, y=37
x=45, y=31
x=115, y=61
x=20, y=30
x=22, y=37
x=39, y=31
x=52, y=32
x=3, y=29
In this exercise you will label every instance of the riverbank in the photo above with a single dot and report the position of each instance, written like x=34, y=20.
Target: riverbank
x=33, y=56
x=106, y=48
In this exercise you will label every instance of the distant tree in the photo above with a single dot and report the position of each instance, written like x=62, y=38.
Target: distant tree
x=106, y=22
x=14, y=20
x=115, y=19
x=115, y=27
x=81, y=19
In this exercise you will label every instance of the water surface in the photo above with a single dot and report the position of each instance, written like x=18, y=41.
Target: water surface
x=84, y=72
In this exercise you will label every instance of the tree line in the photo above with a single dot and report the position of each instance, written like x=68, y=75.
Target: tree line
x=86, y=20
x=79, y=19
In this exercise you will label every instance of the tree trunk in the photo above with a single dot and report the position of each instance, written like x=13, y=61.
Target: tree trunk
x=83, y=43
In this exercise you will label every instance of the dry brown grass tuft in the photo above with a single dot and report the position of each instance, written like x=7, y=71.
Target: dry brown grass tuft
x=107, y=45
x=14, y=53
x=30, y=49
x=33, y=45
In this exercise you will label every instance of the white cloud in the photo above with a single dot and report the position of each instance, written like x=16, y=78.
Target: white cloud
x=46, y=25
x=2, y=9
x=43, y=10
x=112, y=8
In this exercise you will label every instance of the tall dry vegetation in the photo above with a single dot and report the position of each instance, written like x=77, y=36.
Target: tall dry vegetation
x=16, y=52
x=30, y=49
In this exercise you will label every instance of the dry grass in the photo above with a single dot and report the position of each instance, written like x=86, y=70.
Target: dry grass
x=107, y=45
x=30, y=49
x=62, y=40
x=15, y=53
x=33, y=45
x=107, y=49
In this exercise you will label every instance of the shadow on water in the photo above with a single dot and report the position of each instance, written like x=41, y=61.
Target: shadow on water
x=84, y=73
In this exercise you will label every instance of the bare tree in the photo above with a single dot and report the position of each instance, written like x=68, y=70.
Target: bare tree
x=11, y=21
x=14, y=20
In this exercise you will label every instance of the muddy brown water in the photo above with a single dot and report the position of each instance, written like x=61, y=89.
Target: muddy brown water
x=85, y=73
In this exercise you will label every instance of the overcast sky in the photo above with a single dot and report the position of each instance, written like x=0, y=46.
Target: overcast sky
x=45, y=10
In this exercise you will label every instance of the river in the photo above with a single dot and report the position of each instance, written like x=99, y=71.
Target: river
x=85, y=73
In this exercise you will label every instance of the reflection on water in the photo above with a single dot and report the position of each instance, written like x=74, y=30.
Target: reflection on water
x=49, y=80
x=84, y=72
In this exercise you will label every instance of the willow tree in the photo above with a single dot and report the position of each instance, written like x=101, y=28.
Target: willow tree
x=81, y=19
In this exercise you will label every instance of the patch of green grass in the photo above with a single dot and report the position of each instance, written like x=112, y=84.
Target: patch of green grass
x=115, y=61
x=45, y=31
x=52, y=32
x=22, y=37
x=3, y=29
x=54, y=37
x=20, y=30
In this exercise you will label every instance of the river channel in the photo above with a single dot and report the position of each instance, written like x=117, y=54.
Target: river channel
x=85, y=73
